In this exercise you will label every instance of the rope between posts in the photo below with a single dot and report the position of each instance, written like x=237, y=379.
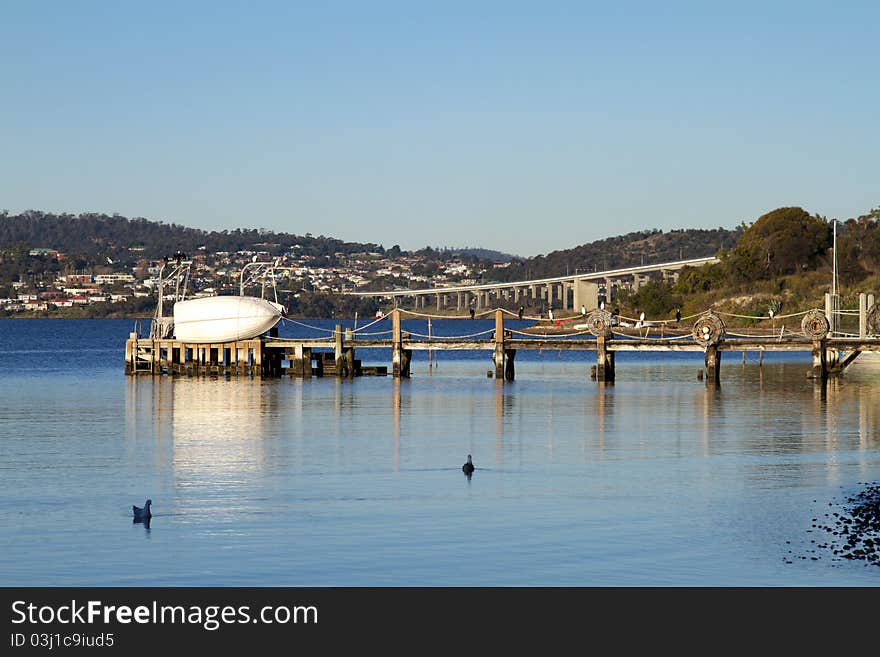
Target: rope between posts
x=752, y=335
x=549, y=335
x=451, y=337
x=762, y=316
x=365, y=326
x=314, y=328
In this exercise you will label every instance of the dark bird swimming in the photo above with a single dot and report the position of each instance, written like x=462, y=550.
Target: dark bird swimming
x=468, y=468
x=142, y=514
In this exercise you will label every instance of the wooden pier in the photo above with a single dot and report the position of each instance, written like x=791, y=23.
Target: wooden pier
x=271, y=356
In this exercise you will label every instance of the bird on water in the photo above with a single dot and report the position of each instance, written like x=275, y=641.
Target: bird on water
x=142, y=514
x=468, y=468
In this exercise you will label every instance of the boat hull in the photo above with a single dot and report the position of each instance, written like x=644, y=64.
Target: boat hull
x=224, y=319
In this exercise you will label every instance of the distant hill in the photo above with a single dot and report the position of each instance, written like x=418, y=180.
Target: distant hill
x=478, y=253
x=632, y=249
x=99, y=235
x=124, y=240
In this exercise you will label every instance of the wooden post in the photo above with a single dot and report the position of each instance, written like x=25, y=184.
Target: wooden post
x=400, y=357
x=863, y=315
x=156, y=348
x=604, y=360
x=297, y=367
x=257, y=346
x=348, y=359
x=509, y=370
x=713, y=364
x=820, y=364
x=395, y=342
x=241, y=358
x=499, y=344
x=405, y=360
x=307, y=362
x=130, y=353
x=337, y=352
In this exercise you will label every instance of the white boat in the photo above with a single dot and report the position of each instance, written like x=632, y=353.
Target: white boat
x=224, y=318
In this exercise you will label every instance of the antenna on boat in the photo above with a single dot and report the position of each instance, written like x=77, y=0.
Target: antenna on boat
x=834, y=258
x=262, y=273
x=163, y=324
x=835, y=299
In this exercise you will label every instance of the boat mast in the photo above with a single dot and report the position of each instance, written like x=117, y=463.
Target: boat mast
x=834, y=260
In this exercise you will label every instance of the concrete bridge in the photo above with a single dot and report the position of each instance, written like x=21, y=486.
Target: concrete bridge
x=568, y=292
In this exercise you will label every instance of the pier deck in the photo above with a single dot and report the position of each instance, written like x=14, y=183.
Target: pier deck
x=306, y=357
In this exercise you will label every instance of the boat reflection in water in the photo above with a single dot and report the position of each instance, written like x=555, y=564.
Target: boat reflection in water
x=217, y=437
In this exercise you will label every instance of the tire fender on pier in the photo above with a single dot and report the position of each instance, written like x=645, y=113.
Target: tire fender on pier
x=708, y=329
x=815, y=325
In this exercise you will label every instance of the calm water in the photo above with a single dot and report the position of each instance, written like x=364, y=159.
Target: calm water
x=657, y=480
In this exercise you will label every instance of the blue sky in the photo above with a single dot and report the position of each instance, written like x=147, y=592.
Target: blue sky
x=525, y=127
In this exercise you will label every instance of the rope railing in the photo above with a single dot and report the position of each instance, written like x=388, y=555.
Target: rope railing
x=637, y=323
x=308, y=326
x=656, y=337
x=366, y=326
x=450, y=337
x=726, y=314
x=549, y=335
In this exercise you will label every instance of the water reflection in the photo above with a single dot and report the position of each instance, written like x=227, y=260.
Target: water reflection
x=205, y=429
x=217, y=423
x=395, y=424
x=594, y=434
x=221, y=432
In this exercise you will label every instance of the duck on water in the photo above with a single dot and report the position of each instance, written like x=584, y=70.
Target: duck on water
x=142, y=514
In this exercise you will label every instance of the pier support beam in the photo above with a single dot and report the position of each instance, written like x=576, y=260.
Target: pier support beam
x=863, y=315
x=713, y=364
x=259, y=364
x=604, y=360
x=499, y=344
x=302, y=361
x=819, y=372
x=509, y=369
x=400, y=357
x=338, y=353
x=131, y=350
x=498, y=357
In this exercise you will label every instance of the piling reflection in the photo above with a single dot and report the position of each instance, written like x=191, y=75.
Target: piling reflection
x=395, y=425
x=788, y=414
x=596, y=425
x=500, y=397
x=148, y=412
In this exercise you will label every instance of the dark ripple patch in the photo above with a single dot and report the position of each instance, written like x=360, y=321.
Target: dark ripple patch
x=853, y=531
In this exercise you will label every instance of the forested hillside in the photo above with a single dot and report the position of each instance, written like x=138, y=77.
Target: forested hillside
x=781, y=260
x=112, y=236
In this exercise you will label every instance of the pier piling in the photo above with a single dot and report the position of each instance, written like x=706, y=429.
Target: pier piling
x=334, y=354
x=604, y=360
x=713, y=364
